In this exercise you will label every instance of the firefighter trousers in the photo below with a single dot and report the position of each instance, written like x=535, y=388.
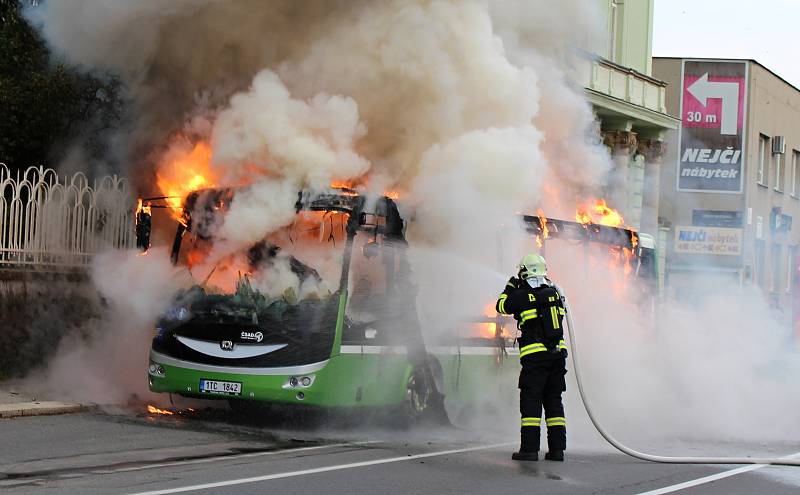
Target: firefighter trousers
x=541, y=383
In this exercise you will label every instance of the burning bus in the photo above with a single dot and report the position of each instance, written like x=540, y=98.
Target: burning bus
x=346, y=338
x=323, y=312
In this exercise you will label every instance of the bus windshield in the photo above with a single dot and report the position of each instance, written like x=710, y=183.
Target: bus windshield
x=300, y=261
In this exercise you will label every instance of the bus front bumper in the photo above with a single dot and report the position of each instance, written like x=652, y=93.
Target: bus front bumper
x=287, y=385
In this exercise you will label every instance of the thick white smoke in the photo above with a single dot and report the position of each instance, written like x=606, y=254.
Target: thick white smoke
x=720, y=369
x=246, y=223
x=104, y=362
x=419, y=96
x=266, y=127
x=470, y=109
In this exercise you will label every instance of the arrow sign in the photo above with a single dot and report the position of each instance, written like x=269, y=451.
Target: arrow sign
x=702, y=89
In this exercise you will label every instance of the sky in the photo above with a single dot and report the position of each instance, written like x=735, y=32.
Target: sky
x=764, y=30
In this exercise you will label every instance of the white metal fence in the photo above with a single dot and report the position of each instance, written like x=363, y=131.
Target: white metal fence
x=53, y=222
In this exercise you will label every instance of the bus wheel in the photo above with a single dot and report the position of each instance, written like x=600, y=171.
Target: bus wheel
x=418, y=396
x=423, y=403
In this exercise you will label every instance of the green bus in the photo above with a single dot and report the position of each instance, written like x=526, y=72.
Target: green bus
x=346, y=334
x=353, y=343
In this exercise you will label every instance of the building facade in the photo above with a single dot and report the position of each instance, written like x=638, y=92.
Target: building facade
x=731, y=184
x=630, y=108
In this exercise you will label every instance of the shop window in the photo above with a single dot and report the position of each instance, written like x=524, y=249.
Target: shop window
x=791, y=266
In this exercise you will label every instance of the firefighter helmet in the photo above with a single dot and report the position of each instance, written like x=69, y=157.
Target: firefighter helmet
x=532, y=265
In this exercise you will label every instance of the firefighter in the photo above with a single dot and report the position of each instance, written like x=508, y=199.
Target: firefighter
x=538, y=306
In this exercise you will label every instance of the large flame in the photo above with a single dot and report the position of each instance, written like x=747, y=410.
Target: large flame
x=185, y=173
x=582, y=217
x=608, y=216
x=599, y=213
x=342, y=184
x=351, y=187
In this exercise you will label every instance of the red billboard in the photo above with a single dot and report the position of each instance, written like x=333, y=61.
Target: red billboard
x=712, y=138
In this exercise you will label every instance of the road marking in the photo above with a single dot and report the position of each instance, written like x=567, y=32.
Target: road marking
x=713, y=477
x=290, y=474
x=706, y=479
x=232, y=457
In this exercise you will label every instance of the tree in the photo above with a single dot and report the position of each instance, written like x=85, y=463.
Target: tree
x=46, y=105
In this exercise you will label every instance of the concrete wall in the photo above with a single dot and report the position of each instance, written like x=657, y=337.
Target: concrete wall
x=37, y=310
x=774, y=110
x=669, y=71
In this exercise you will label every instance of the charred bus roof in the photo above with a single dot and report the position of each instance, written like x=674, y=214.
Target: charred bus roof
x=375, y=214
x=379, y=214
x=552, y=228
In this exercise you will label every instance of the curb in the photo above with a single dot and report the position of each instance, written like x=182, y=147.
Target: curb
x=40, y=408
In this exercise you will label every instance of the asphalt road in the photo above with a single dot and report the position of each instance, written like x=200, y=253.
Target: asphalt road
x=207, y=452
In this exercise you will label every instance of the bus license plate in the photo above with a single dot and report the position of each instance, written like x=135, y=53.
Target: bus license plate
x=218, y=387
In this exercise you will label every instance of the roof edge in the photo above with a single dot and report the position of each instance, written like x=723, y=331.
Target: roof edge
x=725, y=59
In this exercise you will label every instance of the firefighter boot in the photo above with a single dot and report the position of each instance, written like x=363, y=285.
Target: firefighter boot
x=555, y=455
x=525, y=456
x=529, y=444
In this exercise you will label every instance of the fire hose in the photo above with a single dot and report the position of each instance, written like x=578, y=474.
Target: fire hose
x=782, y=461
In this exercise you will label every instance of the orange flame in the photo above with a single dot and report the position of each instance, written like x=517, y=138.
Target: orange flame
x=488, y=330
x=185, y=173
x=347, y=187
x=154, y=410
x=599, y=213
x=344, y=188
x=140, y=208
x=582, y=217
x=608, y=216
x=543, y=223
x=489, y=310
x=341, y=184
x=628, y=258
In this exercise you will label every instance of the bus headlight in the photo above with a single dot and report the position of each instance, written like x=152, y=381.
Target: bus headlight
x=156, y=369
x=303, y=381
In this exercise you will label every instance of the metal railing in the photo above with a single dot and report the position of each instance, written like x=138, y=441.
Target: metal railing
x=50, y=222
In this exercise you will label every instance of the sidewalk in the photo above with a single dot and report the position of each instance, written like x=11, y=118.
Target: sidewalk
x=14, y=404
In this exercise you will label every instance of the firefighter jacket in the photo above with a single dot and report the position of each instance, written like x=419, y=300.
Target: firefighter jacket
x=539, y=313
